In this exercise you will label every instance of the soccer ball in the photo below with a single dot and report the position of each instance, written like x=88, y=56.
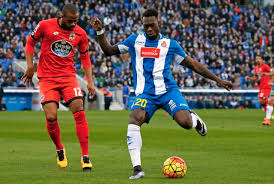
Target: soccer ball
x=174, y=167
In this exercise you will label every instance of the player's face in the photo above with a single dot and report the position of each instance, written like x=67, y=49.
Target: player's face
x=69, y=21
x=259, y=60
x=151, y=27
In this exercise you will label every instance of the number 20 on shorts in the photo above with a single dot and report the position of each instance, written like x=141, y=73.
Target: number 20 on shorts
x=141, y=102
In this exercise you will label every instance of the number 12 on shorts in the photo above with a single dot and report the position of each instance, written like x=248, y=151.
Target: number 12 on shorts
x=141, y=102
x=78, y=91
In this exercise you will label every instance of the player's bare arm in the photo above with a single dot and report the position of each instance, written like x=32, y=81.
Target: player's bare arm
x=199, y=68
x=268, y=74
x=27, y=77
x=252, y=78
x=108, y=49
x=90, y=85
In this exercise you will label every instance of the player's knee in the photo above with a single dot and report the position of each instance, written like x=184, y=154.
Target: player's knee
x=262, y=102
x=51, y=117
x=76, y=106
x=185, y=122
x=137, y=118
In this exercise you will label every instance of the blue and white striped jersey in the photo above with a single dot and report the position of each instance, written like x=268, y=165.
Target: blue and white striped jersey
x=151, y=60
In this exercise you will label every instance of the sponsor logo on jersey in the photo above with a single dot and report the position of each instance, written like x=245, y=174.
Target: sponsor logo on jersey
x=72, y=36
x=61, y=48
x=55, y=33
x=150, y=52
x=140, y=42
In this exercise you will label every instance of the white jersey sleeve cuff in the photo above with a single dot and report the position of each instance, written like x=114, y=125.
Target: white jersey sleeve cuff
x=178, y=59
x=123, y=49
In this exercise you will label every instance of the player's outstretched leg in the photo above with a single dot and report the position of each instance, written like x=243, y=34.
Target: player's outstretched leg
x=198, y=123
x=134, y=142
x=62, y=161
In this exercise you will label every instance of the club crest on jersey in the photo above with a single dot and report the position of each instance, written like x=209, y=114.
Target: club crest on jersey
x=72, y=36
x=150, y=52
x=61, y=48
x=163, y=44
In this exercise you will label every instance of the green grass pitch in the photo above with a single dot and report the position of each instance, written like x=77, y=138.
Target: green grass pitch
x=237, y=149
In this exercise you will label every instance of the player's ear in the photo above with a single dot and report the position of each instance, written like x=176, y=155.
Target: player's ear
x=159, y=20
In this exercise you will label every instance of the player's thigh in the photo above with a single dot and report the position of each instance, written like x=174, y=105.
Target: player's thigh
x=263, y=95
x=50, y=109
x=71, y=92
x=147, y=108
x=173, y=101
x=48, y=91
x=138, y=116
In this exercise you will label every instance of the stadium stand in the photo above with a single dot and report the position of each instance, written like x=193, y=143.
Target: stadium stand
x=223, y=35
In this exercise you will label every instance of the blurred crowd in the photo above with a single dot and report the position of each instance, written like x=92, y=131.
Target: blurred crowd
x=223, y=35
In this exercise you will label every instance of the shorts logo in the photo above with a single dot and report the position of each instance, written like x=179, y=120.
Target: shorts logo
x=61, y=48
x=42, y=97
x=172, y=105
x=150, y=52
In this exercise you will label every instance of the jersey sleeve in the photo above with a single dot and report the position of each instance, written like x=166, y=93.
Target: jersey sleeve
x=126, y=44
x=267, y=68
x=179, y=53
x=38, y=32
x=83, y=49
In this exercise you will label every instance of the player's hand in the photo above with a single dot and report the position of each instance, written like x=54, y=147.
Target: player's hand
x=91, y=89
x=27, y=77
x=263, y=74
x=96, y=24
x=226, y=84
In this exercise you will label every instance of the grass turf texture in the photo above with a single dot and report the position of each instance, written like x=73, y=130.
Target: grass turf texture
x=237, y=149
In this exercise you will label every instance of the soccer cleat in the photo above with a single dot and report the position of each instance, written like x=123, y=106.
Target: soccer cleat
x=62, y=161
x=137, y=173
x=201, y=126
x=266, y=122
x=85, y=163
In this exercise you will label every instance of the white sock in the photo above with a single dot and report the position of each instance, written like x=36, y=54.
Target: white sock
x=194, y=120
x=134, y=143
x=269, y=109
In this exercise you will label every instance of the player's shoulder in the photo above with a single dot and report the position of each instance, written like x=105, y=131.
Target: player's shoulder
x=134, y=36
x=48, y=21
x=266, y=65
x=79, y=30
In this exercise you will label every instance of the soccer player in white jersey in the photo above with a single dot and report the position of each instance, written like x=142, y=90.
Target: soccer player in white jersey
x=151, y=56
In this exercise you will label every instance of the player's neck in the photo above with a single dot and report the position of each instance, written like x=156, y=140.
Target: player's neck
x=59, y=22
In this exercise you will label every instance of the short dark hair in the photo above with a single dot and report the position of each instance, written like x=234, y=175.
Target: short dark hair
x=151, y=12
x=69, y=8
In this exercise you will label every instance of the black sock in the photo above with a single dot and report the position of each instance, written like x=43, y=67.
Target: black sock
x=137, y=168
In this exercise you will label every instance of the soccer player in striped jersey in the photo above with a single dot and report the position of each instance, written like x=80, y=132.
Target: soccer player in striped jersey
x=151, y=56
